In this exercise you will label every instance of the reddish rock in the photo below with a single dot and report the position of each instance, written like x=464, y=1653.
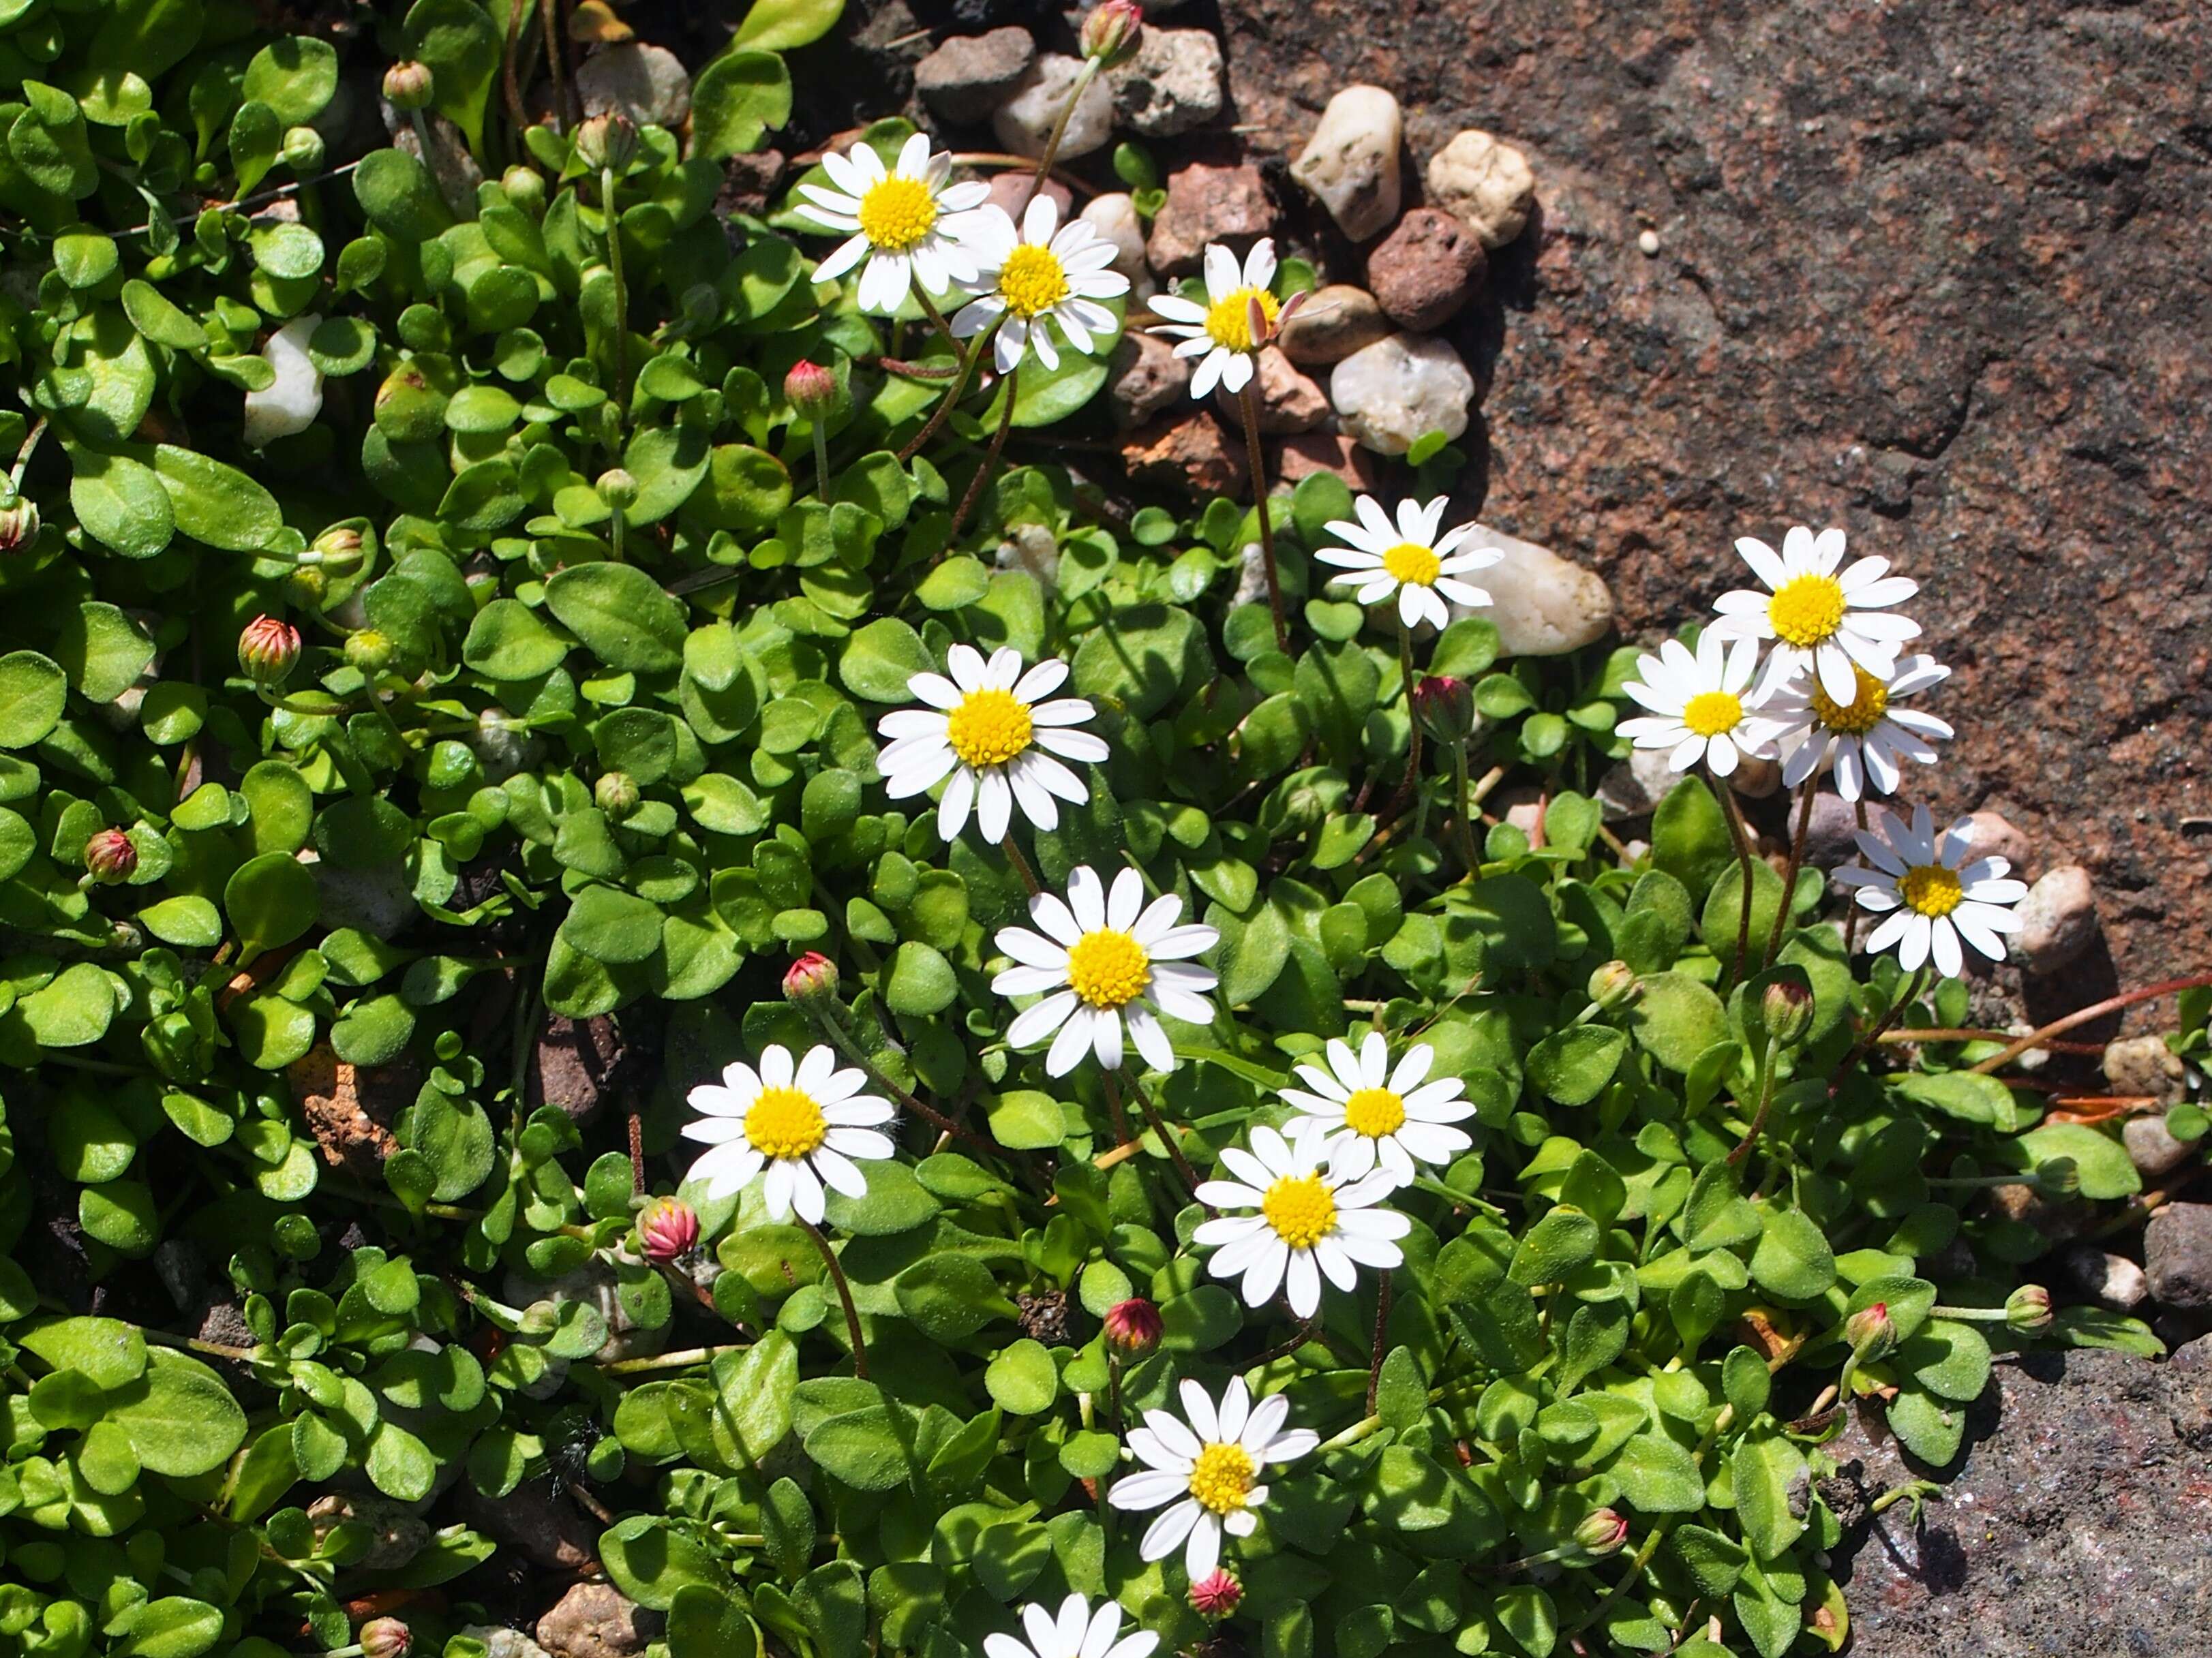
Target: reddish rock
x=1325, y=451
x=748, y=183
x=1189, y=453
x=1289, y=401
x=1146, y=378
x=1207, y=204
x=350, y=1109
x=1010, y=192
x=1426, y=269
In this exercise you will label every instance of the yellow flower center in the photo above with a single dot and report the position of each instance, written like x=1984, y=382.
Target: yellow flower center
x=989, y=728
x=1709, y=714
x=897, y=213
x=1032, y=280
x=1222, y=1478
x=1932, y=889
x=1411, y=564
x=1374, y=1112
x=1229, y=322
x=1861, y=715
x=1108, y=968
x=1300, y=1209
x=785, y=1123
x=1806, y=610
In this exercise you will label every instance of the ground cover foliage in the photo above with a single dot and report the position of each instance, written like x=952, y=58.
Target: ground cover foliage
x=535, y=672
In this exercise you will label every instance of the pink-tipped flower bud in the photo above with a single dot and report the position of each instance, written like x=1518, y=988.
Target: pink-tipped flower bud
x=385, y=1638
x=1615, y=985
x=1215, y=1595
x=1871, y=1332
x=19, y=522
x=607, y=140
x=408, y=85
x=1445, y=707
x=810, y=389
x=110, y=859
x=811, y=978
x=268, y=650
x=1787, y=1007
x=1110, y=32
x=1134, y=1327
x=1602, y=1532
x=668, y=1230
x=2028, y=1310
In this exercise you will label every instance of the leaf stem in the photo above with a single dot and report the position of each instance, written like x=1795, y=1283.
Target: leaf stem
x=1059, y=131
x=1021, y=863
x=1740, y=835
x=1382, y=1328
x=2095, y=1011
x=844, y=1296
x=1160, y=1128
x=676, y=1361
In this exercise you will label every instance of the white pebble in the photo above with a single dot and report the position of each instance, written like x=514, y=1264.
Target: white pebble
x=293, y=400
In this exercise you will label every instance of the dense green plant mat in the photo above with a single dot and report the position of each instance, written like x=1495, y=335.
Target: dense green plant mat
x=582, y=723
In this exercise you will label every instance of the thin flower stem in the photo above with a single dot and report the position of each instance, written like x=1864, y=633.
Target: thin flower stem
x=1257, y=461
x=953, y=393
x=1765, y=1103
x=637, y=1153
x=1466, y=813
x=1059, y=131
x=991, y=455
x=1853, y=912
x=1973, y=1034
x=1865, y=1044
x=1740, y=834
x=24, y=455
x=1160, y=1128
x=844, y=1296
x=1382, y=1328
x=1021, y=863
x=851, y=1049
x=1790, y=876
x=1122, y=1140
x=2110, y=1005
x=676, y=1361
x=1410, y=788
x=553, y=62
x=936, y=317
x=821, y=462
x=622, y=294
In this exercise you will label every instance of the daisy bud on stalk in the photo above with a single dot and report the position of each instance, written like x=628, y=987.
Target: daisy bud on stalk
x=1871, y=1332
x=408, y=85
x=811, y=978
x=616, y=793
x=1602, y=1532
x=340, y=544
x=109, y=857
x=811, y=391
x=607, y=142
x=1787, y=1007
x=1614, y=985
x=303, y=149
x=1214, y=1596
x=19, y=522
x=1111, y=32
x=668, y=1230
x=1445, y=707
x=1134, y=1328
x=385, y=1638
x=525, y=188
x=370, y=650
x=2028, y=1310
x=268, y=650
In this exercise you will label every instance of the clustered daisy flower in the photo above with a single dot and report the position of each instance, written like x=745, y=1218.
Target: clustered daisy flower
x=1368, y=1115
x=1699, y=710
x=907, y=221
x=1866, y=737
x=1409, y=558
x=1108, y=964
x=1308, y=1218
x=1219, y=332
x=799, y=1124
x=1044, y=273
x=990, y=728
x=1075, y=1632
x=1932, y=893
x=1203, y=1469
x=1818, y=618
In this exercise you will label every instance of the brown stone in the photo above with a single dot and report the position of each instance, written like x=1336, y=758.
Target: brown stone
x=968, y=76
x=535, y=1520
x=1207, y=204
x=1289, y=400
x=351, y=1109
x=748, y=183
x=1146, y=378
x=1331, y=324
x=1010, y=192
x=598, y=1620
x=1426, y=269
x=1189, y=453
x=1325, y=451
x=577, y=1064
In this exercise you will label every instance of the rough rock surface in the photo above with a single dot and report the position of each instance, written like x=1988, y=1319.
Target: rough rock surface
x=1325, y=451
x=1146, y=378
x=597, y=1620
x=1171, y=85
x=1186, y=452
x=2178, y=1256
x=1484, y=183
x=1207, y=204
x=1333, y=323
x=2057, y=920
x=2145, y=1067
x=1932, y=271
x=1425, y=268
x=2073, y=1525
x=1350, y=161
x=968, y=76
x=1289, y=401
x=1543, y=605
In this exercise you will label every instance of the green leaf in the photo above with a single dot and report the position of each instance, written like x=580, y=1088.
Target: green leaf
x=880, y=659
x=270, y=900
x=1657, y=1476
x=121, y=504
x=217, y=504
x=920, y=982
x=1793, y=1260
x=1690, y=838
x=2102, y=1162
x=462, y=47
x=1023, y=1380
x=735, y=99
x=869, y=1449
x=1677, y=1019
x=621, y=615
x=781, y=25
x=106, y=1351
x=509, y=641
x=32, y=689
x=1573, y=1065
x=295, y=77
x=181, y=1418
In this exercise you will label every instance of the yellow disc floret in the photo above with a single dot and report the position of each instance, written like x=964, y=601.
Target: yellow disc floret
x=1301, y=1210
x=1032, y=280
x=1806, y=610
x=1222, y=1478
x=1229, y=321
x=1410, y=564
x=1108, y=968
x=989, y=728
x=1861, y=715
x=1710, y=714
x=897, y=213
x=785, y=1123
x=1932, y=889
x=1374, y=1112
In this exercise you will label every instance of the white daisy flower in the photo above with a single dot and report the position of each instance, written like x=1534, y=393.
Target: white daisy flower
x=1107, y=961
x=1220, y=331
x=1931, y=893
x=1310, y=1217
x=1701, y=704
x=1868, y=735
x=907, y=222
x=802, y=1123
x=1205, y=1471
x=1365, y=1113
x=1077, y=1632
x=989, y=727
x=1039, y=275
x=1817, y=619
x=1408, y=559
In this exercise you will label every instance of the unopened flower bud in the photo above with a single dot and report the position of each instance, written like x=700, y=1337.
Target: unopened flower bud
x=267, y=650
x=1445, y=707
x=370, y=650
x=307, y=586
x=668, y=1229
x=408, y=85
x=1602, y=1532
x=385, y=1638
x=615, y=795
x=810, y=389
x=813, y=977
x=1134, y=1327
x=303, y=149
x=524, y=187
x=1615, y=986
x=340, y=544
x=1870, y=1331
x=1111, y=30
x=618, y=489
x=2060, y=1176
x=2028, y=1310
x=1787, y=1007
x=607, y=140
x=1215, y=1595
x=110, y=859
x=19, y=522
